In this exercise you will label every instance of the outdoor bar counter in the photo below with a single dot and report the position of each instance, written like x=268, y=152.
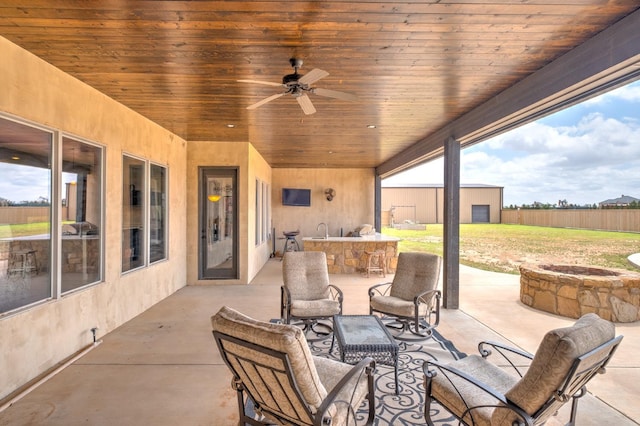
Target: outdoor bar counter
x=348, y=255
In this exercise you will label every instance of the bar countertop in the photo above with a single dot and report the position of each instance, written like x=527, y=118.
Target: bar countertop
x=365, y=238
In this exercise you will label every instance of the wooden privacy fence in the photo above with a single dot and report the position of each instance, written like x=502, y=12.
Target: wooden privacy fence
x=23, y=214
x=623, y=220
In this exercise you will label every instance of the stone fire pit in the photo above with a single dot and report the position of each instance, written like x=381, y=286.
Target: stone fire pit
x=572, y=291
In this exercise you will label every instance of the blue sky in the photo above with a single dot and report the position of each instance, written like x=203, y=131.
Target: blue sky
x=585, y=154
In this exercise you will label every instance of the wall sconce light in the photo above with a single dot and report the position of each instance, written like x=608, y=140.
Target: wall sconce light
x=330, y=193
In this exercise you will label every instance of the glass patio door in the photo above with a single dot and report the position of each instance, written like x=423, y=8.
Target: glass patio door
x=218, y=223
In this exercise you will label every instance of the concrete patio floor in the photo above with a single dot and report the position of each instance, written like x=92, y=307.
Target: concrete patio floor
x=163, y=368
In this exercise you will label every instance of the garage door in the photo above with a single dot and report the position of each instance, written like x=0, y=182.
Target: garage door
x=480, y=214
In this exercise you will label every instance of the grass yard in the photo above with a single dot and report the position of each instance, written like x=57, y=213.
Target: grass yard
x=502, y=248
x=23, y=229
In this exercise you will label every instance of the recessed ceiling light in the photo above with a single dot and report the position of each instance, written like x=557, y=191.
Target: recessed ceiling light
x=371, y=126
x=15, y=157
x=231, y=126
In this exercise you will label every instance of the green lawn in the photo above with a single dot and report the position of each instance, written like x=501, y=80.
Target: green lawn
x=502, y=248
x=23, y=229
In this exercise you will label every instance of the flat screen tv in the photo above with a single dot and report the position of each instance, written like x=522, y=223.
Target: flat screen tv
x=296, y=197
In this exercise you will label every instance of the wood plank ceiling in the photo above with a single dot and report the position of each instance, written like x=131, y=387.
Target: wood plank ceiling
x=414, y=66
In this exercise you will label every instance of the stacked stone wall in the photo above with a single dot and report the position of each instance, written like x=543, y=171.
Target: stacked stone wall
x=348, y=257
x=573, y=290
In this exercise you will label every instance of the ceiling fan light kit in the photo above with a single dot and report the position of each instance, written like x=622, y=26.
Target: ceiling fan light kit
x=298, y=86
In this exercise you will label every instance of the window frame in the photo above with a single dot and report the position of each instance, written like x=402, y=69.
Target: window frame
x=55, y=172
x=102, y=213
x=165, y=215
x=144, y=195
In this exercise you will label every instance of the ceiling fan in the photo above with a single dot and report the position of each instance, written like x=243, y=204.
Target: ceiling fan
x=298, y=86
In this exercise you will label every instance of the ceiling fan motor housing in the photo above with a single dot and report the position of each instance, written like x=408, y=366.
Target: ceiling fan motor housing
x=291, y=78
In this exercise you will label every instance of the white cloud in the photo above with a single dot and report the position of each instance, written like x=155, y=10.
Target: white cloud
x=594, y=159
x=26, y=183
x=630, y=92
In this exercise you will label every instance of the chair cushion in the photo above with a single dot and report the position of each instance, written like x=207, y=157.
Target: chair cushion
x=396, y=306
x=482, y=371
x=305, y=274
x=280, y=337
x=415, y=274
x=331, y=372
x=315, y=308
x=553, y=360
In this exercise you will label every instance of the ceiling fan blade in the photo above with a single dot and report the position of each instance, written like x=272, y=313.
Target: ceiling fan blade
x=305, y=104
x=268, y=83
x=312, y=76
x=334, y=94
x=265, y=100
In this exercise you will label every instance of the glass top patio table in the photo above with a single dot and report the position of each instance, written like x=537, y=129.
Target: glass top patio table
x=361, y=336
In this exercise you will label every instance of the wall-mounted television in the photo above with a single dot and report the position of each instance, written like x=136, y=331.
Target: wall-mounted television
x=296, y=197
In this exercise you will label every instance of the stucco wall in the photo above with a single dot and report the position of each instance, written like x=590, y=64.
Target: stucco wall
x=36, y=339
x=352, y=205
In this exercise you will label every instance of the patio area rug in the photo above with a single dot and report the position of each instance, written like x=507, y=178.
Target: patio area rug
x=407, y=407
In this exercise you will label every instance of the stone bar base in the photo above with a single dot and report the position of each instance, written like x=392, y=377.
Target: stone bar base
x=572, y=291
x=348, y=257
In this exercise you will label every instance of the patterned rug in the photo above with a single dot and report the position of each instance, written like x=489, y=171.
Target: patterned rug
x=407, y=407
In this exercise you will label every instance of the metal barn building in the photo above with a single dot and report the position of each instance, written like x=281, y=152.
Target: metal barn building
x=424, y=203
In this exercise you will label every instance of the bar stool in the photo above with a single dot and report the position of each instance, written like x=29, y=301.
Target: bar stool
x=376, y=261
x=23, y=262
x=290, y=242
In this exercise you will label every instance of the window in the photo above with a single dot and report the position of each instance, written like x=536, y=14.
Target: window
x=144, y=207
x=258, y=212
x=25, y=215
x=262, y=211
x=133, y=213
x=81, y=214
x=29, y=160
x=157, y=213
x=266, y=198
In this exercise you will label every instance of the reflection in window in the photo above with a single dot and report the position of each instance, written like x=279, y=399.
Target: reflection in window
x=133, y=210
x=25, y=215
x=157, y=213
x=81, y=214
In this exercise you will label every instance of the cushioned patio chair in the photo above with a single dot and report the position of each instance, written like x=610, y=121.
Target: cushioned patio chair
x=478, y=392
x=412, y=297
x=276, y=376
x=307, y=294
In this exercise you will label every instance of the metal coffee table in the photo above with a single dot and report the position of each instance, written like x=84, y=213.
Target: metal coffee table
x=361, y=336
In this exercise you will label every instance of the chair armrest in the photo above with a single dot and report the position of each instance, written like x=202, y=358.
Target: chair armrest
x=380, y=289
x=431, y=369
x=504, y=351
x=365, y=366
x=421, y=297
x=285, y=295
x=336, y=293
x=285, y=303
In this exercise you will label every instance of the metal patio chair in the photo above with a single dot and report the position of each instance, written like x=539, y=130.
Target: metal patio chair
x=278, y=381
x=478, y=392
x=307, y=296
x=412, y=298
